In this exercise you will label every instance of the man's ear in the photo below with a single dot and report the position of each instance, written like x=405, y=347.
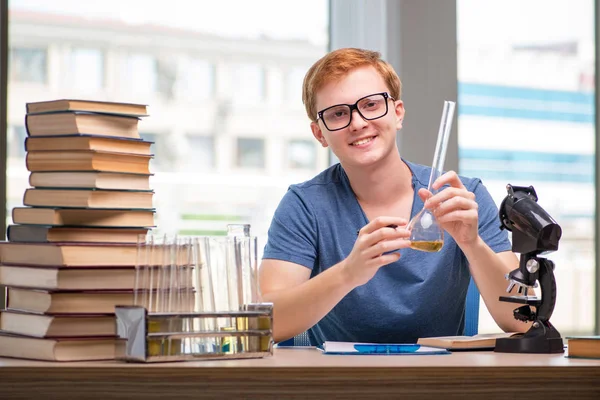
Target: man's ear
x=318, y=134
x=399, y=109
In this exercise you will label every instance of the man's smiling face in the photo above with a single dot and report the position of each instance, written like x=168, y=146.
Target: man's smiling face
x=363, y=142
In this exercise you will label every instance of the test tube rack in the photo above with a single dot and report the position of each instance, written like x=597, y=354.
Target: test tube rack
x=185, y=336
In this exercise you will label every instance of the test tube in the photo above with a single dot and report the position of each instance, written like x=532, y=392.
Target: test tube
x=437, y=167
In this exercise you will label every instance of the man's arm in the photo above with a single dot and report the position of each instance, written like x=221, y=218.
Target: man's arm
x=488, y=270
x=300, y=302
x=456, y=211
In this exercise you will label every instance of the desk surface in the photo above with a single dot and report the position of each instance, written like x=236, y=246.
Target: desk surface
x=306, y=373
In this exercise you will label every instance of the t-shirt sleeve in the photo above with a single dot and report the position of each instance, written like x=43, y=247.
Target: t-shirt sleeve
x=489, y=222
x=292, y=235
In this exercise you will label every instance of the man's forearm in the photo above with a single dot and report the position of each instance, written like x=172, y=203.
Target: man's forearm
x=297, y=309
x=488, y=270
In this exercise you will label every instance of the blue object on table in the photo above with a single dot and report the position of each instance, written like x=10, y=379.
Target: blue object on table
x=471, y=319
x=385, y=349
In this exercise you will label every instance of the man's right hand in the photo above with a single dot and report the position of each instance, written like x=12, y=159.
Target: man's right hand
x=375, y=247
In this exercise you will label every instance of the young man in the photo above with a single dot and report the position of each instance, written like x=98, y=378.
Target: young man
x=324, y=277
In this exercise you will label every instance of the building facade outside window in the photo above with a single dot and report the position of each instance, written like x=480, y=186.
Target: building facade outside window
x=28, y=65
x=208, y=77
x=250, y=153
x=526, y=117
x=302, y=154
x=85, y=68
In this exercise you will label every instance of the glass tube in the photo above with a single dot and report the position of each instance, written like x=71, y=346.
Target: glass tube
x=426, y=234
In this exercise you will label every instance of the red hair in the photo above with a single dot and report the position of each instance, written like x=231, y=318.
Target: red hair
x=336, y=64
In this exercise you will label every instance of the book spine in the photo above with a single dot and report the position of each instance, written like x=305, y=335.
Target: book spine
x=27, y=125
x=27, y=166
x=9, y=232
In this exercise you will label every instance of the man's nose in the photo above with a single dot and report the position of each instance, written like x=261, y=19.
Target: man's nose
x=357, y=122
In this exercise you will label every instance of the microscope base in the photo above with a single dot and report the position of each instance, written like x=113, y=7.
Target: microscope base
x=529, y=345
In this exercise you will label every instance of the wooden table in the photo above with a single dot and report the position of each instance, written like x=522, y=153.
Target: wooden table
x=308, y=374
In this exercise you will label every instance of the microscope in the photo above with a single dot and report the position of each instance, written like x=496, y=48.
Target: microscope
x=534, y=232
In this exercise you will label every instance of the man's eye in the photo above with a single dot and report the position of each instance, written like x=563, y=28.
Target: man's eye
x=337, y=114
x=371, y=104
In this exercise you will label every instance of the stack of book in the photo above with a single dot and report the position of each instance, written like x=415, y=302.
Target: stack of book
x=72, y=249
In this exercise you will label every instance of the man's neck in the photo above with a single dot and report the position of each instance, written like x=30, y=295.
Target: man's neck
x=382, y=183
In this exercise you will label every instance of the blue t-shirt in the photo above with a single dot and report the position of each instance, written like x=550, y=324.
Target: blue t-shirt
x=422, y=294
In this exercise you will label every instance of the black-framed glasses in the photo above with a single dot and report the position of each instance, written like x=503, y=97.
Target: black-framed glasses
x=369, y=107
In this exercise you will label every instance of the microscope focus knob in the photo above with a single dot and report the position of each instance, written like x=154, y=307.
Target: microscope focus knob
x=532, y=266
x=524, y=314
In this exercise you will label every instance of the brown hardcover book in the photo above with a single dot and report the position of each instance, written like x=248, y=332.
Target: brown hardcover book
x=481, y=341
x=45, y=277
x=83, y=217
x=583, y=346
x=97, y=180
x=47, y=234
x=76, y=123
x=48, y=302
x=85, y=302
x=76, y=255
x=138, y=110
x=87, y=160
x=92, y=198
x=49, y=278
x=64, y=349
x=47, y=326
x=99, y=143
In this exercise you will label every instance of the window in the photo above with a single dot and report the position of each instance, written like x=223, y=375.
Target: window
x=201, y=69
x=28, y=65
x=295, y=78
x=196, y=81
x=202, y=152
x=16, y=141
x=248, y=84
x=302, y=154
x=141, y=73
x=526, y=117
x=250, y=153
x=86, y=69
x=275, y=85
x=166, y=75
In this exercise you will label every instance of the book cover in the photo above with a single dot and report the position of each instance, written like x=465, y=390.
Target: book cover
x=64, y=349
x=88, y=198
x=87, y=160
x=106, y=107
x=47, y=234
x=583, y=347
x=84, y=217
x=347, y=348
x=69, y=254
x=483, y=341
x=89, y=142
x=66, y=302
x=55, y=278
x=57, y=326
x=76, y=123
x=90, y=179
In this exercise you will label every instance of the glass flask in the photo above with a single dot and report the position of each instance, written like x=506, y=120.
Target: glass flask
x=425, y=232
